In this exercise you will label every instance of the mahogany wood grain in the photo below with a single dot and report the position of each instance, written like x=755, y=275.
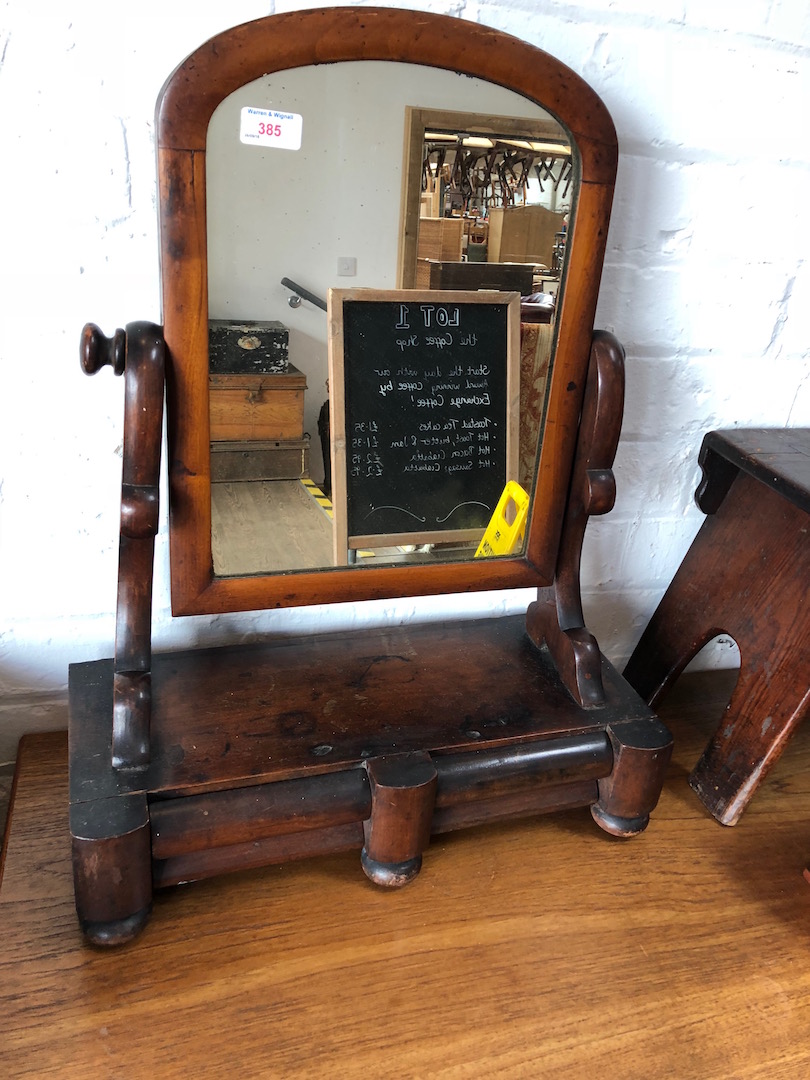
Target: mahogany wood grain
x=777, y=457
x=268, y=751
x=112, y=867
x=541, y=950
x=251, y=714
x=529, y=777
x=396, y=832
x=629, y=794
x=98, y=351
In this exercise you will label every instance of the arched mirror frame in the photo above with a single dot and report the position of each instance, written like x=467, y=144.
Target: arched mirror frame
x=185, y=106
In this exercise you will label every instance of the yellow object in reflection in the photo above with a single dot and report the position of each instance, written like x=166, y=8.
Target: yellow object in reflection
x=502, y=537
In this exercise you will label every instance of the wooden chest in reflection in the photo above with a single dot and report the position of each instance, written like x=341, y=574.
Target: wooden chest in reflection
x=256, y=407
x=257, y=426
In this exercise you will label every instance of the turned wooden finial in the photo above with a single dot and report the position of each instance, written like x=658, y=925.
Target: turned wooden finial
x=97, y=351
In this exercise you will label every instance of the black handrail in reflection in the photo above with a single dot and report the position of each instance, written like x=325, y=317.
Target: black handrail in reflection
x=302, y=293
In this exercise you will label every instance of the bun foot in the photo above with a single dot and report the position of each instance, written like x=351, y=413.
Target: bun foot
x=641, y=753
x=117, y=931
x=624, y=827
x=390, y=875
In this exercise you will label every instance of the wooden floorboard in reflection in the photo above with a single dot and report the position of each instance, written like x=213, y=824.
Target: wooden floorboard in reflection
x=262, y=526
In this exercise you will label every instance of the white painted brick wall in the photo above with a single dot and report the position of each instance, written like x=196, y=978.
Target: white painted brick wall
x=706, y=282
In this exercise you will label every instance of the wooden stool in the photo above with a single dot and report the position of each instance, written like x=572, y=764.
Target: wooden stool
x=746, y=575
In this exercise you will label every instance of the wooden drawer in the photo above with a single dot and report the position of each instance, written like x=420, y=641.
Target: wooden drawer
x=257, y=407
x=280, y=460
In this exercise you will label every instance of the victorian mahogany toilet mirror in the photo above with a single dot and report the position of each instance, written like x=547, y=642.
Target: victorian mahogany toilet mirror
x=191, y=764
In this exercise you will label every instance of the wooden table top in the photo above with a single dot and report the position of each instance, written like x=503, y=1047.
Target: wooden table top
x=778, y=457
x=535, y=949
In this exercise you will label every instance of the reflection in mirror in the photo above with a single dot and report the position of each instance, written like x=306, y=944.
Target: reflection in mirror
x=359, y=175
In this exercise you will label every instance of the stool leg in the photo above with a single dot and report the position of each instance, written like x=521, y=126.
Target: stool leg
x=403, y=792
x=763, y=711
x=745, y=575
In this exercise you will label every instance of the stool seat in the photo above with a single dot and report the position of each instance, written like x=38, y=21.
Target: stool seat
x=745, y=575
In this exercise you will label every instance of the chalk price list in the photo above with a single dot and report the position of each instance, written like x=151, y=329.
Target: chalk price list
x=365, y=459
x=426, y=414
x=447, y=445
x=445, y=405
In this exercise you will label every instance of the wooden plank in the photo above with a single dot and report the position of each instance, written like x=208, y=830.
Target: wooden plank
x=525, y=234
x=291, y=379
x=539, y=949
x=505, y=277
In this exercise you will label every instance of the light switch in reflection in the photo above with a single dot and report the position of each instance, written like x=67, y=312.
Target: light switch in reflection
x=347, y=266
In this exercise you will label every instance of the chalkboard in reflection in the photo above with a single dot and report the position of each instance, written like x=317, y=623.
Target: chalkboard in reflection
x=424, y=396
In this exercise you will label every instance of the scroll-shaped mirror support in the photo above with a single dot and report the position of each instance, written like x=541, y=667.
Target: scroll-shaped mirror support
x=139, y=354
x=556, y=617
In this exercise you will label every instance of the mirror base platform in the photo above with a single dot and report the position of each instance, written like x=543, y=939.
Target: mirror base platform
x=371, y=741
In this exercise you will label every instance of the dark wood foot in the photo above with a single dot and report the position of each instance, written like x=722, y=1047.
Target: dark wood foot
x=390, y=875
x=641, y=753
x=619, y=826
x=403, y=793
x=766, y=707
x=117, y=932
x=112, y=867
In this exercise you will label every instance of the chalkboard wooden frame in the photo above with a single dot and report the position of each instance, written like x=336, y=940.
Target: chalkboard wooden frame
x=434, y=331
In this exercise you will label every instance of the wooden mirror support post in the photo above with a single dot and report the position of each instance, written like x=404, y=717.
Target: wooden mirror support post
x=190, y=764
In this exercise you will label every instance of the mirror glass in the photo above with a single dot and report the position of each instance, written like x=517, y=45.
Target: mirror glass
x=362, y=175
